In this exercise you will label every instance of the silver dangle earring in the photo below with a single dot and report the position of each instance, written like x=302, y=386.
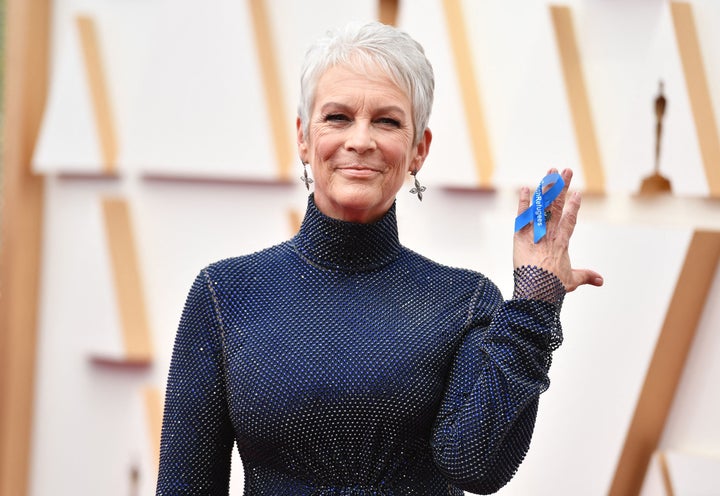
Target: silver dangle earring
x=417, y=190
x=305, y=178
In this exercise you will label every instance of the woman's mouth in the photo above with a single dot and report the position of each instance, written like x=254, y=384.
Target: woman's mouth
x=358, y=171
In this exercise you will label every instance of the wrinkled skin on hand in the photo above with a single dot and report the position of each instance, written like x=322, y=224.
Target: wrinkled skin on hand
x=551, y=252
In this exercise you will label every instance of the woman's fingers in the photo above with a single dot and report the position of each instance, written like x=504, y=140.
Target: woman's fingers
x=567, y=223
x=585, y=276
x=557, y=207
x=524, y=201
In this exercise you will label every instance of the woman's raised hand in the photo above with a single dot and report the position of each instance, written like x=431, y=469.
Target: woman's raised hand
x=551, y=252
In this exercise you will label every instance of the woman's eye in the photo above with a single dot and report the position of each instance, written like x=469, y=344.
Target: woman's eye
x=388, y=121
x=337, y=118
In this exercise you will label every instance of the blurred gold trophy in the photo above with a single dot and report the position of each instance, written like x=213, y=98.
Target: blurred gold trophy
x=656, y=183
x=134, y=481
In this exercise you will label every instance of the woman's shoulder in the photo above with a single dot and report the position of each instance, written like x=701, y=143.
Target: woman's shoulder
x=246, y=265
x=424, y=264
x=445, y=281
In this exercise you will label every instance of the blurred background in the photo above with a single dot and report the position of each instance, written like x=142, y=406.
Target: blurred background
x=145, y=139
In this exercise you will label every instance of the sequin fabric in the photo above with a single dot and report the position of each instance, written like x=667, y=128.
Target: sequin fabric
x=342, y=363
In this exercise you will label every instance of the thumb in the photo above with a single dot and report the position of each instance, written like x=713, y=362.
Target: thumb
x=585, y=276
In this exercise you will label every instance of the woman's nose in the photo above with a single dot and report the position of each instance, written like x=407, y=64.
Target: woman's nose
x=360, y=138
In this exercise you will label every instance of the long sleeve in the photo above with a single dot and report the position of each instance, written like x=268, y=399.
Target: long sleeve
x=487, y=416
x=197, y=436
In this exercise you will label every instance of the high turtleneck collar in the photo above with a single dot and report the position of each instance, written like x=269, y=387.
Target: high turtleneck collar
x=350, y=246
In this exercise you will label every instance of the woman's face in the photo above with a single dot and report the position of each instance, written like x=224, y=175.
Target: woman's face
x=359, y=143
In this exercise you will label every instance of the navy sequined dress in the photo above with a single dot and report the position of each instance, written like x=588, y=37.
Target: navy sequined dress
x=342, y=363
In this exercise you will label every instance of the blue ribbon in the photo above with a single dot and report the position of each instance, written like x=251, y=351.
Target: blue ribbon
x=535, y=214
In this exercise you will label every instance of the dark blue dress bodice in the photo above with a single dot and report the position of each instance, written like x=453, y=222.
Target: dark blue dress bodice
x=342, y=363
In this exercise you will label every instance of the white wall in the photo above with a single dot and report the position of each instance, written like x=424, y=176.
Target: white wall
x=186, y=94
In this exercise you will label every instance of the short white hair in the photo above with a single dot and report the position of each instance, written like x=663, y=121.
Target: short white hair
x=371, y=45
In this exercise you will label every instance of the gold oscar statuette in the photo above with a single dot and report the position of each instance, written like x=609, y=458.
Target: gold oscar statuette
x=656, y=182
x=134, y=481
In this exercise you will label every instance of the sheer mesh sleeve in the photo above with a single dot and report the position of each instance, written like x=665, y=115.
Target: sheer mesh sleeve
x=487, y=416
x=534, y=283
x=197, y=435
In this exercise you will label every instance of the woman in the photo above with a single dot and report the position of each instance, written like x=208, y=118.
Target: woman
x=342, y=362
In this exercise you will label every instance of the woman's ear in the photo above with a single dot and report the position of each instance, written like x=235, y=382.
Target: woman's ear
x=421, y=150
x=301, y=143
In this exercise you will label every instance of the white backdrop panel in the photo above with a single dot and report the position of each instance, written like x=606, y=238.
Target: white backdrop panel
x=188, y=97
